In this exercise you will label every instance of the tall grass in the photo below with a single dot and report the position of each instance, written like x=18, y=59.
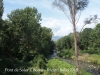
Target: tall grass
x=59, y=67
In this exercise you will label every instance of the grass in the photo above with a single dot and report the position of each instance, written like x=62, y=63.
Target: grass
x=58, y=64
x=93, y=58
x=59, y=67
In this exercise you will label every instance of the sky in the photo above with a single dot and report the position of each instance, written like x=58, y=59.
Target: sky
x=52, y=17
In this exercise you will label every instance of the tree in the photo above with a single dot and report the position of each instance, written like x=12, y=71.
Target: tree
x=64, y=43
x=75, y=8
x=32, y=37
x=94, y=41
x=24, y=31
x=22, y=40
x=1, y=8
x=84, y=38
x=89, y=20
x=1, y=13
x=1, y=24
x=46, y=43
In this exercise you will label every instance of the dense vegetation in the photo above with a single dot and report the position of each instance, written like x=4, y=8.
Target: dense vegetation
x=88, y=42
x=23, y=42
x=58, y=67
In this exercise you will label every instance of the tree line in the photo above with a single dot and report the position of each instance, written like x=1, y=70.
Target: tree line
x=88, y=41
x=24, y=42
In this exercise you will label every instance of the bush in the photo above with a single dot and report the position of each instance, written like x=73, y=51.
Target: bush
x=39, y=61
x=64, y=53
x=91, y=51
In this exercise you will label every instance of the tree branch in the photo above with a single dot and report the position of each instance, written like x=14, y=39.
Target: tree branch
x=77, y=19
x=82, y=28
x=67, y=16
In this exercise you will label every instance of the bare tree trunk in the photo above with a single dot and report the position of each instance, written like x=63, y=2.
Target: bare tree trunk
x=76, y=50
x=74, y=7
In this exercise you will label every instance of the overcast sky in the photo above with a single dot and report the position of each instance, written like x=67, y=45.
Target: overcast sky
x=52, y=17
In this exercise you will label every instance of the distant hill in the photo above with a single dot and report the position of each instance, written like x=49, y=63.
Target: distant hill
x=55, y=38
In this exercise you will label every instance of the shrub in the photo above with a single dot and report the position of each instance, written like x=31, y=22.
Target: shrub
x=39, y=62
x=91, y=51
x=65, y=53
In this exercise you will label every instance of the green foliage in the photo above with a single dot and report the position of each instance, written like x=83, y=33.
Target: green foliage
x=39, y=62
x=91, y=51
x=13, y=64
x=23, y=34
x=59, y=67
x=65, y=45
x=63, y=42
x=83, y=72
x=94, y=37
x=26, y=28
x=46, y=44
x=55, y=63
x=23, y=40
x=1, y=8
x=65, y=53
x=85, y=35
x=92, y=58
x=88, y=41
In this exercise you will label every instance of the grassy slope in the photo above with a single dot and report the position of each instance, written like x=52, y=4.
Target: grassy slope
x=58, y=67
x=93, y=58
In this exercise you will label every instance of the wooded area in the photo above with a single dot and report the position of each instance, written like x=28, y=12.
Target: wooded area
x=23, y=42
x=88, y=41
x=27, y=48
